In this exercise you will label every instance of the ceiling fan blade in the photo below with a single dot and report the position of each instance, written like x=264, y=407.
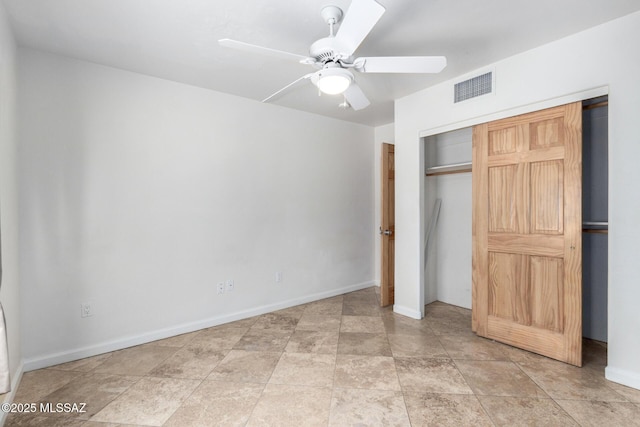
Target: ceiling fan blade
x=288, y=87
x=400, y=64
x=252, y=48
x=360, y=19
x=356, y=97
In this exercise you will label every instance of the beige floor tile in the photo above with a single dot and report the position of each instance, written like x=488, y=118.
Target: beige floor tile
x=195, y=361
x=368, y=408
x=273, y=340
x=83, y=365
x=454, y=410
x=401, y=325
x=365, y=324
x=520, y=356
x=37, y=384
x=305, y=369
x=472, y=347
x=216, y=403
x=597, y=414
x=416, y=346
x=39, y=420
x=138, y=360
x=313, y=342
x=245, y=366
x=358, y=308
x=97, y=424
x=364, y=344
x=562, y=381
x=334, y=299
x=448, y=320
x=525, y=411
x=632, y=394
x=278, y=321
x=498, y=378
x=319, y=322
x=91, y=393
x=442, y=327
x=289, y=405
x=368, y=372
x=364, y=296
x=430, y=376
x=151, y=401
x=219, y=338
x=442, y=309
x=329, y=307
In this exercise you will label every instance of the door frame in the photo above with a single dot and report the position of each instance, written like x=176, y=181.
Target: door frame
x=387, y=224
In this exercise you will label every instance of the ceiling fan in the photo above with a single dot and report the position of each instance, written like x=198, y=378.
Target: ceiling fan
x=332, y=55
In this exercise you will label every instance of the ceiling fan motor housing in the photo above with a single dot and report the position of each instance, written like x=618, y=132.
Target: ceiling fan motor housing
x=328, y=49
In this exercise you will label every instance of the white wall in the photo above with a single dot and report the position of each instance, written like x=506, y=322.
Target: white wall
x=9, y=295
x=536, y=79
x=139, y=194
x=385, y=133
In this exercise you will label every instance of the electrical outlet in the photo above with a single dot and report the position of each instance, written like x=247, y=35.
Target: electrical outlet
x=221, y=288
x=230, y=285
x=86, y=310
x=278, y=276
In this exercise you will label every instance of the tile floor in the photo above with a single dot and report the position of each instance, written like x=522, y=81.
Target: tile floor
x=342, y=361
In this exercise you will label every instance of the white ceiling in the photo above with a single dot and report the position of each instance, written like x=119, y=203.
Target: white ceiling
x=177, y=40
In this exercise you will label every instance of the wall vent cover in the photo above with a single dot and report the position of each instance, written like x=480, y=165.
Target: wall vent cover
x=476, y=86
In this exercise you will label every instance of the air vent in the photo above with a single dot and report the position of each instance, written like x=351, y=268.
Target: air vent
x=476, y=86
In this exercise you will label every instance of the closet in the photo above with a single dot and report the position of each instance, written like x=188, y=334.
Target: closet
x=448, y=248
x=448, y=180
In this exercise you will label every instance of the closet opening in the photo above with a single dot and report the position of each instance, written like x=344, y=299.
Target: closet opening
x=595, y=214
x=448, y=218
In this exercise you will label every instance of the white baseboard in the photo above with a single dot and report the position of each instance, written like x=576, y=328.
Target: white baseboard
x=8, y=397
x=106, y=347
x=621, y=376
x=405, y=311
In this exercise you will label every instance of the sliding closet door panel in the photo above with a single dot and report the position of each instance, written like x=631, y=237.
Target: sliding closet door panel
x=527, y=224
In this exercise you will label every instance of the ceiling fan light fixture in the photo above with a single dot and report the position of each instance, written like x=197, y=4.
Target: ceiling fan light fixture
x=333, y=81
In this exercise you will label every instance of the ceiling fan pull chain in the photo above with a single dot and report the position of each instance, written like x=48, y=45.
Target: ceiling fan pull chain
x=344, y=104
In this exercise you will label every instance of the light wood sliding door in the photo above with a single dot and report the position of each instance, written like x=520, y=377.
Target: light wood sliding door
x=527, y=232
x=387, y=228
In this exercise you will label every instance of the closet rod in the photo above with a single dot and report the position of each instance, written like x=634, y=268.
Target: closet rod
x=449, y=169
x=596, y=227
x=595, y=231
x=448, y=172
